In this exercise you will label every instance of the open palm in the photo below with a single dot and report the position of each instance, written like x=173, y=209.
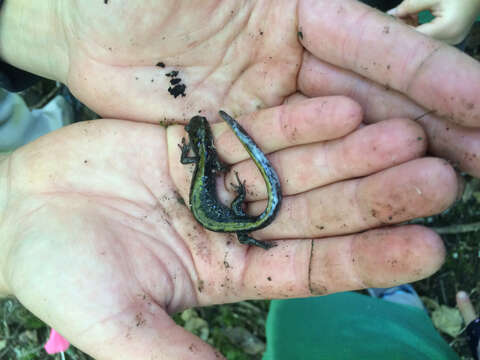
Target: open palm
x=238, y=55
x=243, y=56
x=97, y=240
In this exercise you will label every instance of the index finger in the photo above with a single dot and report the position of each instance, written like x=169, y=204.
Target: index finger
x=356, y=37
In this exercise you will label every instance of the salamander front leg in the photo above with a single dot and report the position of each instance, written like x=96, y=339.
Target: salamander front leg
x=240, y=199
x=184, y=158
x=245, y=239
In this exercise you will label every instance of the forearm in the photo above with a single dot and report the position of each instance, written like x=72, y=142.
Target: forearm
x=4, y=160
x=31, y=37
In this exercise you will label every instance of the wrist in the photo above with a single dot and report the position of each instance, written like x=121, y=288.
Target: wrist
x=4, y=177
x=32, y=37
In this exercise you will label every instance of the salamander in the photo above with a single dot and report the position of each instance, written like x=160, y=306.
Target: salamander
x=204, y=203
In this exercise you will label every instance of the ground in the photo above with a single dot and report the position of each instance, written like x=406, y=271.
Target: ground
x=238, y=330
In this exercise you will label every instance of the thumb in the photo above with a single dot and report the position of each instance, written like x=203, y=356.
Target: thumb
x=146, y=335
x=408, y=7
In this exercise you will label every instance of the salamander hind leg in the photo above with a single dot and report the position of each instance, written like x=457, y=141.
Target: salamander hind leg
x=245, y=239
x=240, y=199
x=221, y=167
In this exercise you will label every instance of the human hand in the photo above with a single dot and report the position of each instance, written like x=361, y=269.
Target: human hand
x=453, y=18
x=393, y=71
x=96, y=240
x=245, y=57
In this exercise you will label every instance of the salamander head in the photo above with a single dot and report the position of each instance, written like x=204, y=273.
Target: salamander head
x=197, y=128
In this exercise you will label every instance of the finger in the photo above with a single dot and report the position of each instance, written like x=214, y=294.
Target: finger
x=353, y=36
x=418, y=188
x=302, y=122
x=376, y=258
x=366, y=151
x=456, y=143
x=408, y=7
x=466, y=308
x=444, y=29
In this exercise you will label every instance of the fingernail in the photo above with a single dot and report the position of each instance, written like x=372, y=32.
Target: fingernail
x=392, y=12
x=462, y=295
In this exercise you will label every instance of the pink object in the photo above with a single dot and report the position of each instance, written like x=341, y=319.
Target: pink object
x=56, y=343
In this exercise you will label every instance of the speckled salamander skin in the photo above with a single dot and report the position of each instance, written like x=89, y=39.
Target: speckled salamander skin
x=204, y=203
